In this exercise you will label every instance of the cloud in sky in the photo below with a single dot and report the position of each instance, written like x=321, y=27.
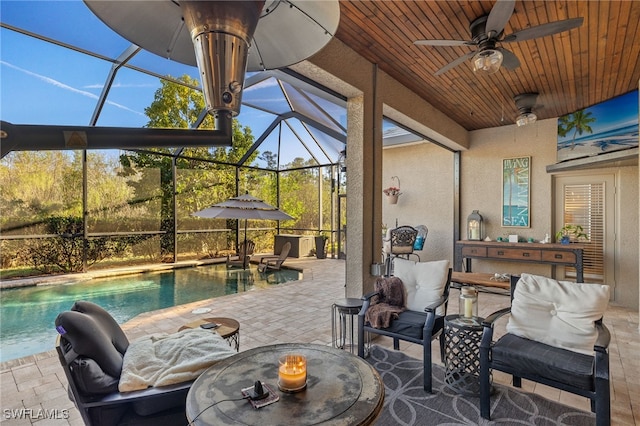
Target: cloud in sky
x=63, y=86
x=117, y=86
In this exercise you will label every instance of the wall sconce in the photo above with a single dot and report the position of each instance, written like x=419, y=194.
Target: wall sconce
x=475, y=226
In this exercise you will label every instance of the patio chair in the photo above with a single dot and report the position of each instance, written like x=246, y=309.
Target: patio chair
x=274, y=262
x=427, y=295
x=243, y=255
x=555, y=336
x=91, y=349
x=399, y=242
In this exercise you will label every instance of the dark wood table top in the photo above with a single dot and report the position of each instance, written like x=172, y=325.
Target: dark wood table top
x=479, y=278
x=228, y=326
x=342, y=389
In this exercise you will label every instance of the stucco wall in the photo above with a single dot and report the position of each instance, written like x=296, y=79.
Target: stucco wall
x=426, y=176
x=481, y=179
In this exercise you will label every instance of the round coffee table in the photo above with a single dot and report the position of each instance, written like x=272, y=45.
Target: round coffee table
x=342, y=389
x=229, y=329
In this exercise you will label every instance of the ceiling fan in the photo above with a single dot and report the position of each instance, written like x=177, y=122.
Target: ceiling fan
x=525, y=102
x=487, y=32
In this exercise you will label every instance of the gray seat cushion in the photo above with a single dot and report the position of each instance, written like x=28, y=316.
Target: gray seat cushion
x=537, y=359
x=411, y=323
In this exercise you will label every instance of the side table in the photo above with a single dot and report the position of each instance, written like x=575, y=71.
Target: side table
x=229, y=329
x=462, y=354
x=340, y=310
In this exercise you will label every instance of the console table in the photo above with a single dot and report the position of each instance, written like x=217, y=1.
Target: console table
x=552, y=254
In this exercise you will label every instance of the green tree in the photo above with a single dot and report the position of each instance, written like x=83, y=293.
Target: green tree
x=204, y=173
x=578, y=122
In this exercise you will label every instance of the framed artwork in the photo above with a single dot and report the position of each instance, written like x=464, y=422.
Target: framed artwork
x=600, y=129
x=515, y=191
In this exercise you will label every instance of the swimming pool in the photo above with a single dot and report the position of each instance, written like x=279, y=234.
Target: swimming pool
x=27, y=314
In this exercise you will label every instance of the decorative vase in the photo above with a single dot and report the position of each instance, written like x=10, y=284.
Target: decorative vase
x=321, y=243
x=392, y=199
x=565, y=239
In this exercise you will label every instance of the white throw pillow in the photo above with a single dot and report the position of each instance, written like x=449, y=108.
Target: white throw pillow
x=423, y=281
x=558, y=313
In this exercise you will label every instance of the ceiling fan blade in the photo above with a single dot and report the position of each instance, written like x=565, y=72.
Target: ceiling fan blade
x=443, y=43
x=544, y=30
x=509, y=60
x=499, y=16
x=526, y=100
x=455, y=63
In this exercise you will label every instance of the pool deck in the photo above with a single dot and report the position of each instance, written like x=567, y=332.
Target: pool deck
x=299, y=312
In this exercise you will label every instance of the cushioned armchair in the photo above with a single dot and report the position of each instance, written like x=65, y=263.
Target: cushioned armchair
x=91, y=347
x=427, y=289
x=555, y=336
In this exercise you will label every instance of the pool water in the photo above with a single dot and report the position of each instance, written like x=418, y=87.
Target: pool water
x=27, y=314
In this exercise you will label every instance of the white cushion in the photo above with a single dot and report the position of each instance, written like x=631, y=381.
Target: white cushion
x=423, y=281
x=558, y=313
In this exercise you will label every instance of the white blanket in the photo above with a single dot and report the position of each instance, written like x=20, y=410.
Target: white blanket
x=161, y=360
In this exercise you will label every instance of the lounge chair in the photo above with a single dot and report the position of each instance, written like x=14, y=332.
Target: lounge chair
x=243, y=255
x=274, y=262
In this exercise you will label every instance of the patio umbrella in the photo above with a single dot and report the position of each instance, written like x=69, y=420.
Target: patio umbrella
x=243, y=207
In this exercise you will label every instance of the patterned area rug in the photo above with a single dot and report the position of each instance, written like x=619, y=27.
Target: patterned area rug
x=406, y=402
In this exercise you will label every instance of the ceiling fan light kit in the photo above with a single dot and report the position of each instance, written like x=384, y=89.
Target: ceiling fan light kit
x=487, y=61
x=526, y=118
x=525, y=102
x=487, y=36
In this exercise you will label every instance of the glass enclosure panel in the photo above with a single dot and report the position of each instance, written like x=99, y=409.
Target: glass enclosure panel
x=70, y=22
x=131, y=92
x=151, y=186
x=266, y=95
x=57, y=86
x=202, y=245
x=199, y=187
x=111, y=203
x=299, y=189
x=296, y=153
x=36, y=186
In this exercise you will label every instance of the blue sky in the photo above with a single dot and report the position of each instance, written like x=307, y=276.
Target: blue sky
x=41, y=83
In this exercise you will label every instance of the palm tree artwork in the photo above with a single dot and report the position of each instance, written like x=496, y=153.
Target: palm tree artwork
x=579, y=122
x=515, y=191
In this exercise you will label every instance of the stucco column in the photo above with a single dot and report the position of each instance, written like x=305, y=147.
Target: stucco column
x=364, y=185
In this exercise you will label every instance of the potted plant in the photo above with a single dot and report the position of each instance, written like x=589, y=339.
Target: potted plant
x=321, y=243
x=568, y=232
x=392, y=194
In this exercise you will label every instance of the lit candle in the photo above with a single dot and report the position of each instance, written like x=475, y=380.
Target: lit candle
x=468, y=308
x=292, y=373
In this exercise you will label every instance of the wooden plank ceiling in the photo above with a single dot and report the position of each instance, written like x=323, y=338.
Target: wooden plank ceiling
x=571, y=70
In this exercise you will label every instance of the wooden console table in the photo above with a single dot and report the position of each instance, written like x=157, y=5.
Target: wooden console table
x=552, y=254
